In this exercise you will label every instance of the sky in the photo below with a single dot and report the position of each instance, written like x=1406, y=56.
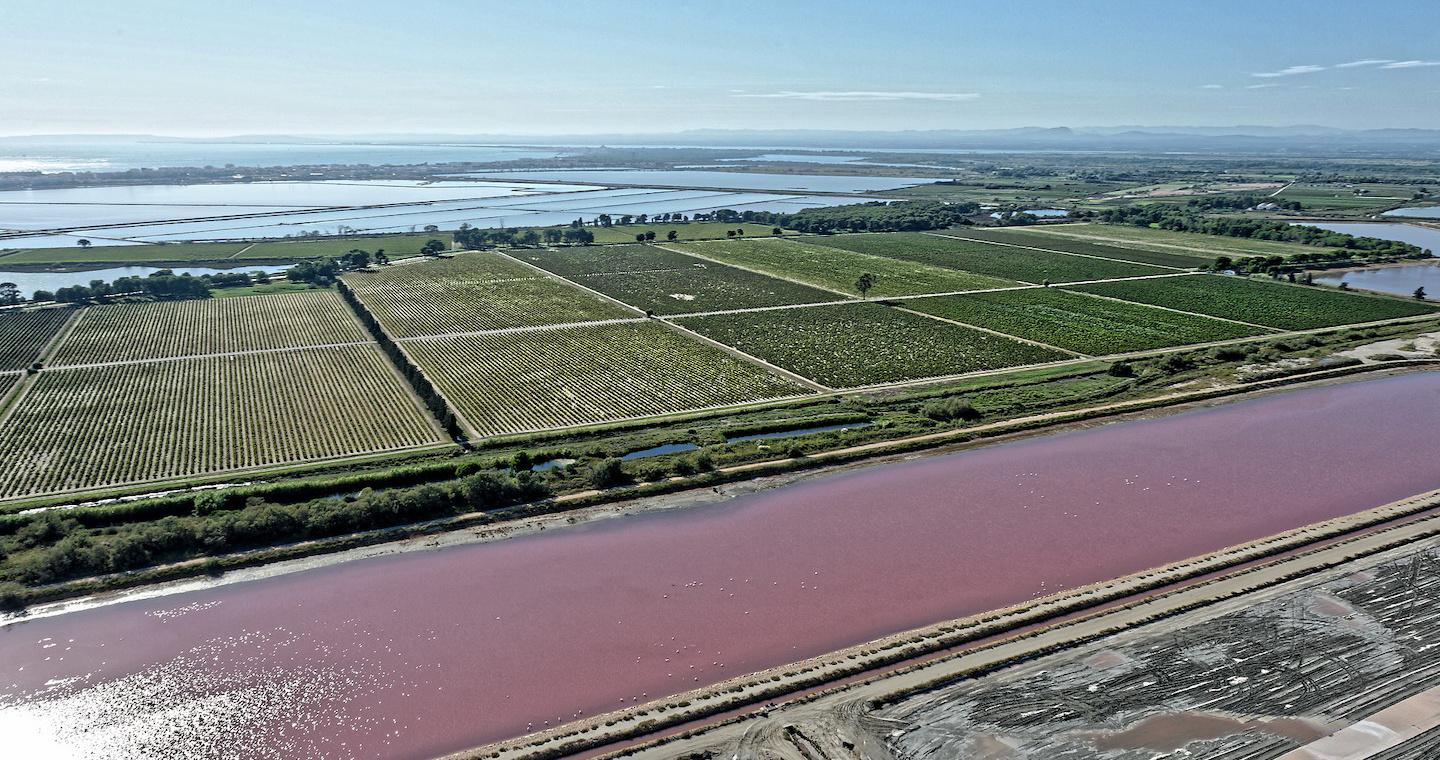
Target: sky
x=547, y=67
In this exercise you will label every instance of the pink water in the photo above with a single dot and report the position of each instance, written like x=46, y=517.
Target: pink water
x=418, y=655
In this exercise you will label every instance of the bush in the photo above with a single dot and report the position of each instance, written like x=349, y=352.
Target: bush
x=1227, y=353
x=944, y=410
x=604, y=474
x=1121, y=369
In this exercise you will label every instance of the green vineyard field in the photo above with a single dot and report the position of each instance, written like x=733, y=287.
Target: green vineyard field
x=1288, y=307
x=472, y=292
x=838, y=269
x=23, y=334
x=1178, y=259
x=1080, y=323
x=98, y=426
x=163, y=329
x=865, y=343
x=1008, y=262
x=540, y=379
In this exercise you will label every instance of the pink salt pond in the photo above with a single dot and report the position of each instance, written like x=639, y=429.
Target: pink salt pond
x=426, y=653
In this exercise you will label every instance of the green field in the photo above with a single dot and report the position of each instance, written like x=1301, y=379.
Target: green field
x=161, y=329
x=605, y=259
x=1008, y=262
x=865, y=344
x=1207, y=247
x=1287, y=307
x=541, y=379
x=471, y=292
x=1027, y=237
x=1342, y=196
x=665, y=282
x=175, y=253
x=91, y=427
x=838, y=269
x=1080, y=323
x=221, y=255
x=24, y=333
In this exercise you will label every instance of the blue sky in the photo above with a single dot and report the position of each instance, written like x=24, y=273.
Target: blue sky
x=550, y=67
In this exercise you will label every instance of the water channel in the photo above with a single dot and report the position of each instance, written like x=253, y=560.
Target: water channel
x=419, y=654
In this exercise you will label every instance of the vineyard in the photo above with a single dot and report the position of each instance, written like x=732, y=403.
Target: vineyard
x=1178, y=259
x=1173, y=241
x=1023, y=264
x=865, y=343
x=23, y=334
x=703, y=287
x=162, y=329
x=571, y=376
x=471, y=292
x=1288, y=307
x=89, y=427
x=838, y=269
x=608, y=259
x=1080, y=323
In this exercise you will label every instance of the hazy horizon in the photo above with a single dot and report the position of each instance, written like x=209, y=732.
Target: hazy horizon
x=552, y=68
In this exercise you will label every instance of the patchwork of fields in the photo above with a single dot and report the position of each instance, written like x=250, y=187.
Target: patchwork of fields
x=541, y=339
x=866, y=344
x=472, y=292
x=837, y=268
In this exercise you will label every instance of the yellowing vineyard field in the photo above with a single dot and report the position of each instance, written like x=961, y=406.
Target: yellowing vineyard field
x=470, y=292
x=541, y=379
x=90, y=427
x=162, y=329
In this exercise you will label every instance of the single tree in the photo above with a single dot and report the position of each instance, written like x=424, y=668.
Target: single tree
x=671, y=235
x=83, y=243
x=864, y=284
x=1419, y=293
x=9, y=294
x=650, y=235
x=432, y=247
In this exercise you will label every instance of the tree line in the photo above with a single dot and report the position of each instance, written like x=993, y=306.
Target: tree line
x=53, y=547
x=421, y=384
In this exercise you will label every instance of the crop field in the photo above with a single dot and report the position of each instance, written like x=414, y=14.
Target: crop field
x=24, y=333
x=1288, y=307
x=91, y=427
x=1022, y=264
x=704, y=287
x=221, y=254
x=123, y=254
x=162, y=329
x=1206, y=247
x=540, y=379
x=838, y=269
x=606, y=259
x=471, y=292
x=1180, y=259
x=865, y=343
x=1338, y=197
x=1094, y=326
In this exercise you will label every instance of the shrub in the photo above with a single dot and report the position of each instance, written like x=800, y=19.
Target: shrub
x=604, y=474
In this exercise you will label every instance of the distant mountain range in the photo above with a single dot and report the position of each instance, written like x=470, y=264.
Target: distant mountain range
x=1295, y=139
